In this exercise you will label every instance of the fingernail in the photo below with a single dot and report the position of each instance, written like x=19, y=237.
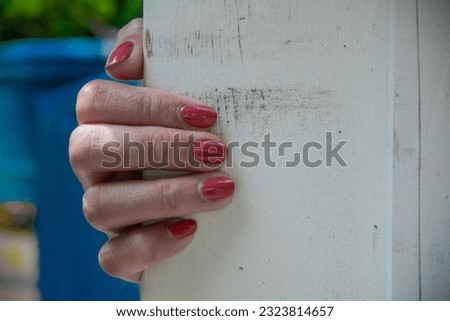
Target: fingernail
x=217, y=188
x=121, y=53
x=209, y=151
x=182, y=229
x=198, y=116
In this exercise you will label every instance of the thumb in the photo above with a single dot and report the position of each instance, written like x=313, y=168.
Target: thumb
x=126, y=60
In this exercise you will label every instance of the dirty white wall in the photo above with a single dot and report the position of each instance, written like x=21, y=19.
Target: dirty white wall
x=375, y=74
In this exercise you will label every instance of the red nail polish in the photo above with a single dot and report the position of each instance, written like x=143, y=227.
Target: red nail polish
x=209, y=151
x=217, y=188
x=121, y=53
x=182, y=229
x=198, y=116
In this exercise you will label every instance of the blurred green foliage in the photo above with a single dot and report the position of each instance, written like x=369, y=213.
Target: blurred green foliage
x=63, y=18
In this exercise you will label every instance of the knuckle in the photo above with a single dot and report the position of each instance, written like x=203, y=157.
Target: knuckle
x=166, y=110
x=89, y=97
x=80, y=145
x=107, y=261
x=92, y=207
x=160, y=141
x=86, y=145
x=153, y=103
x=168, y=196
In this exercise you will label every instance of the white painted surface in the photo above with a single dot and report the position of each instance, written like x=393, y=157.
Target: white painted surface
x=297, y=69
x=406, y=155
x=434, y=32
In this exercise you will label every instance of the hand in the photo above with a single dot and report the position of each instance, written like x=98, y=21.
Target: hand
x=117, y=201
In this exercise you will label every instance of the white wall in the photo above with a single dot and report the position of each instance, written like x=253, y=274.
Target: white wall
x=297, y=69
x=434, y=38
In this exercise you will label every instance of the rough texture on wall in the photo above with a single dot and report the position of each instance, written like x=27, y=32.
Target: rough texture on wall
x=296, y=70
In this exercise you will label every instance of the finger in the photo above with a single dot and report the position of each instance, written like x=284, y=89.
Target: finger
x=113, y=206
x=127, y=59
x=102, y=101
x=98, y=150
x=127, y=255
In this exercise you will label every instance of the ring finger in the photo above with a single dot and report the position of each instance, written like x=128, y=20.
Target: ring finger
x=111, y=206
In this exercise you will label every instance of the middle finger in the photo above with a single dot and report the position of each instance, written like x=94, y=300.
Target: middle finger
x=103, y=148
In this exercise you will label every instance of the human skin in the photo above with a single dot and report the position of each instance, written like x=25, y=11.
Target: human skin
x=117, y=201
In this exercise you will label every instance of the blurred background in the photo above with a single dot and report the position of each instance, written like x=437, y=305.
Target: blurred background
x=48, y=50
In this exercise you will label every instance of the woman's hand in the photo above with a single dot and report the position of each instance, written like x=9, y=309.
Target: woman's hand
x=119, y=127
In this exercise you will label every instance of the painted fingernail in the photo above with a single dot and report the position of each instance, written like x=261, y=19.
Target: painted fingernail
x=121, y=53
x=209, y=151
x=182, y=229
x=198, y=116
x=217, y=188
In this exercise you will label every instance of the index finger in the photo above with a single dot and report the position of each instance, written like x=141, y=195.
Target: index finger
x=101, y=101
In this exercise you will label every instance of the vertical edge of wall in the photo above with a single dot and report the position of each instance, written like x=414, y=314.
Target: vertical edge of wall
x=417, y=255
x=434, y=58
x=405, y=251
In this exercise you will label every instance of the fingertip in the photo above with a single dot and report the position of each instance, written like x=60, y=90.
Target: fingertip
x=126, y=61
x=197, y=116
x=182, y=229
x=216, y=188
x=121, y=53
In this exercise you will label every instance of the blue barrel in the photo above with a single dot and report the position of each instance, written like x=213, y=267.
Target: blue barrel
x=39, y=81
